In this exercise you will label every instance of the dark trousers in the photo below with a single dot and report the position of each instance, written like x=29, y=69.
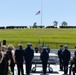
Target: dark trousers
x=61, y=64
x=74, y=70
x=20, y=68
x=5, y=68
x=28, y=67
x=12, y=67
x=73, y=73
x=65, y=67
x=2, y=69
x=44, y=66
x=70, y=68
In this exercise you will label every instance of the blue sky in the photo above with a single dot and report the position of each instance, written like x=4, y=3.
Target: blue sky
x=22, y=12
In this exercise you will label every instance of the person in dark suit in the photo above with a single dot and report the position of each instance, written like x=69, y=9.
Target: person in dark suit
x=28, y=56
x=73, y=65
x=48, y=49
x=60, y=57
x=36, y=49
x=75, y=51
x=44, y=58
x=19, y=53
x=66, y=58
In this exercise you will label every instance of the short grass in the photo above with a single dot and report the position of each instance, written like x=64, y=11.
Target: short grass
x=51, y=37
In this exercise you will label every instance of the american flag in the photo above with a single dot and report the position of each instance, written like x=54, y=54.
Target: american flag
x=38, y=13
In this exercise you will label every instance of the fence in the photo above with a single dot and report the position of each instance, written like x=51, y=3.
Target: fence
x=52, y=45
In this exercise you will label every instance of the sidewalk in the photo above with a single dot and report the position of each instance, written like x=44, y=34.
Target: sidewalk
x=55, y=70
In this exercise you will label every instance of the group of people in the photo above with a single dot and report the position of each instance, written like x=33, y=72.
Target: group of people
x=9, y=56
x=65, y=60
x=38, y=49
x=6, y=59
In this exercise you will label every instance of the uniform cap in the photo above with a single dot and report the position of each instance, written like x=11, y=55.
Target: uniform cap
x=44, y=47
x=29, y=44
x=65, y=46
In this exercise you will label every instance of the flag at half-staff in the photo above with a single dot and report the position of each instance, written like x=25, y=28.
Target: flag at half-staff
x=38, y=13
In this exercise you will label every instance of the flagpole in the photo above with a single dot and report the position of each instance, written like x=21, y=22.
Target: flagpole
x=41, y=11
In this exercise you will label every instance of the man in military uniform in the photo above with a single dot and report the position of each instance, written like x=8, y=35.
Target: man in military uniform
x=48, y=49
x=28, y=55
x=60, y=57
x=44, y=58
x=75, y=51
x=66, y=58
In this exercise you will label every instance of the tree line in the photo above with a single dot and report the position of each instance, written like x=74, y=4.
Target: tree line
x=64, y=24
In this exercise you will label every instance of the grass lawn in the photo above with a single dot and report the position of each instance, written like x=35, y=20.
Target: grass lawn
x=51, y=37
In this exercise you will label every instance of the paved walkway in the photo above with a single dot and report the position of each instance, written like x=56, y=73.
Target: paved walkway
x=55, y=71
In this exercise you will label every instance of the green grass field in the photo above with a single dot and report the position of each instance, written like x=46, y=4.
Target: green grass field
x=51, y=37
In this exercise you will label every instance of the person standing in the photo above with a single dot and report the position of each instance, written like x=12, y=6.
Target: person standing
x=60, y=57
x=2, y=69
x=36, y=49
x=66, y=58
x=48, y=49
x=19, y=53
x=11, y=53
x=28, y=56
x=5, y=61
x=73, y=65
x=44, y=58
x=75, y=51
